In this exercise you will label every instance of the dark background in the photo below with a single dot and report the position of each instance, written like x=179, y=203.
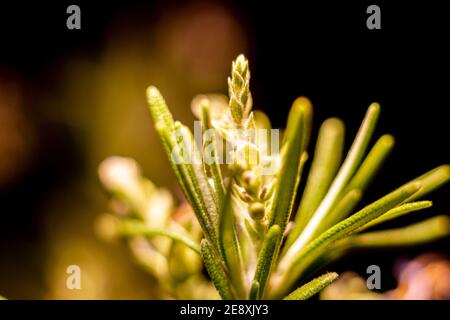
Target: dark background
x=319, y=49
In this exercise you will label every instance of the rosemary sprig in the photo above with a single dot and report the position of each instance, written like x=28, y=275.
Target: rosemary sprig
x=326, y=161
x=246, y=218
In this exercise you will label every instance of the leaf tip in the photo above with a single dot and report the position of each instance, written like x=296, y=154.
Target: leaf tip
x=152, y=93
x=445, y=169
x=387, y=140
x=303, y=105
x=333, y=124
x=374, y=108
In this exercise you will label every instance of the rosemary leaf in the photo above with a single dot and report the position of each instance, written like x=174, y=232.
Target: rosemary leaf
x=189, y=173
x=131, y=228
x=397, y=212
x=184, y=174
x=327, y=157
x=159, y=110
x=348, y=168
x=262, y=121
x=266, y=258
x=214, y=166
x=229, y=244
x=290, y=271
x=343, y=208
x=372, y=163
x=313, y=287
x=239, y=89
x=296, y=139
x=216, y=270
x=352, y=193
x=417, y=233
x=432, y=180
x=254, y=291
x=164, y=126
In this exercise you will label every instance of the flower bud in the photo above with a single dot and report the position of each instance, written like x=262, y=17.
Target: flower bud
x=256, y=210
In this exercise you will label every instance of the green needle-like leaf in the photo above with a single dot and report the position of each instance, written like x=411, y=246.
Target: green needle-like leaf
x=343, y=208
x=352, y=193
x=132, y=228
x=164, y=126
x=266, y=258
x=214, y=166
x=326, y=161
x=417, y=233
x=198, y=177
x=229, y=243
x=313, y=287
x=296, y=139
x=432, y=180
x=318, y=246
x=398, y=212
x=372, y=163
x=216, y=270
x=187, y=166
x=244, y=218
x=348, y=168
x=184, y=175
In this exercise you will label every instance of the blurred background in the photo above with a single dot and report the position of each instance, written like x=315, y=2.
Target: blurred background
x=70, y=98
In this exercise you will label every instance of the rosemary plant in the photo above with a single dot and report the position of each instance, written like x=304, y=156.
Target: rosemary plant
x=252, y=244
